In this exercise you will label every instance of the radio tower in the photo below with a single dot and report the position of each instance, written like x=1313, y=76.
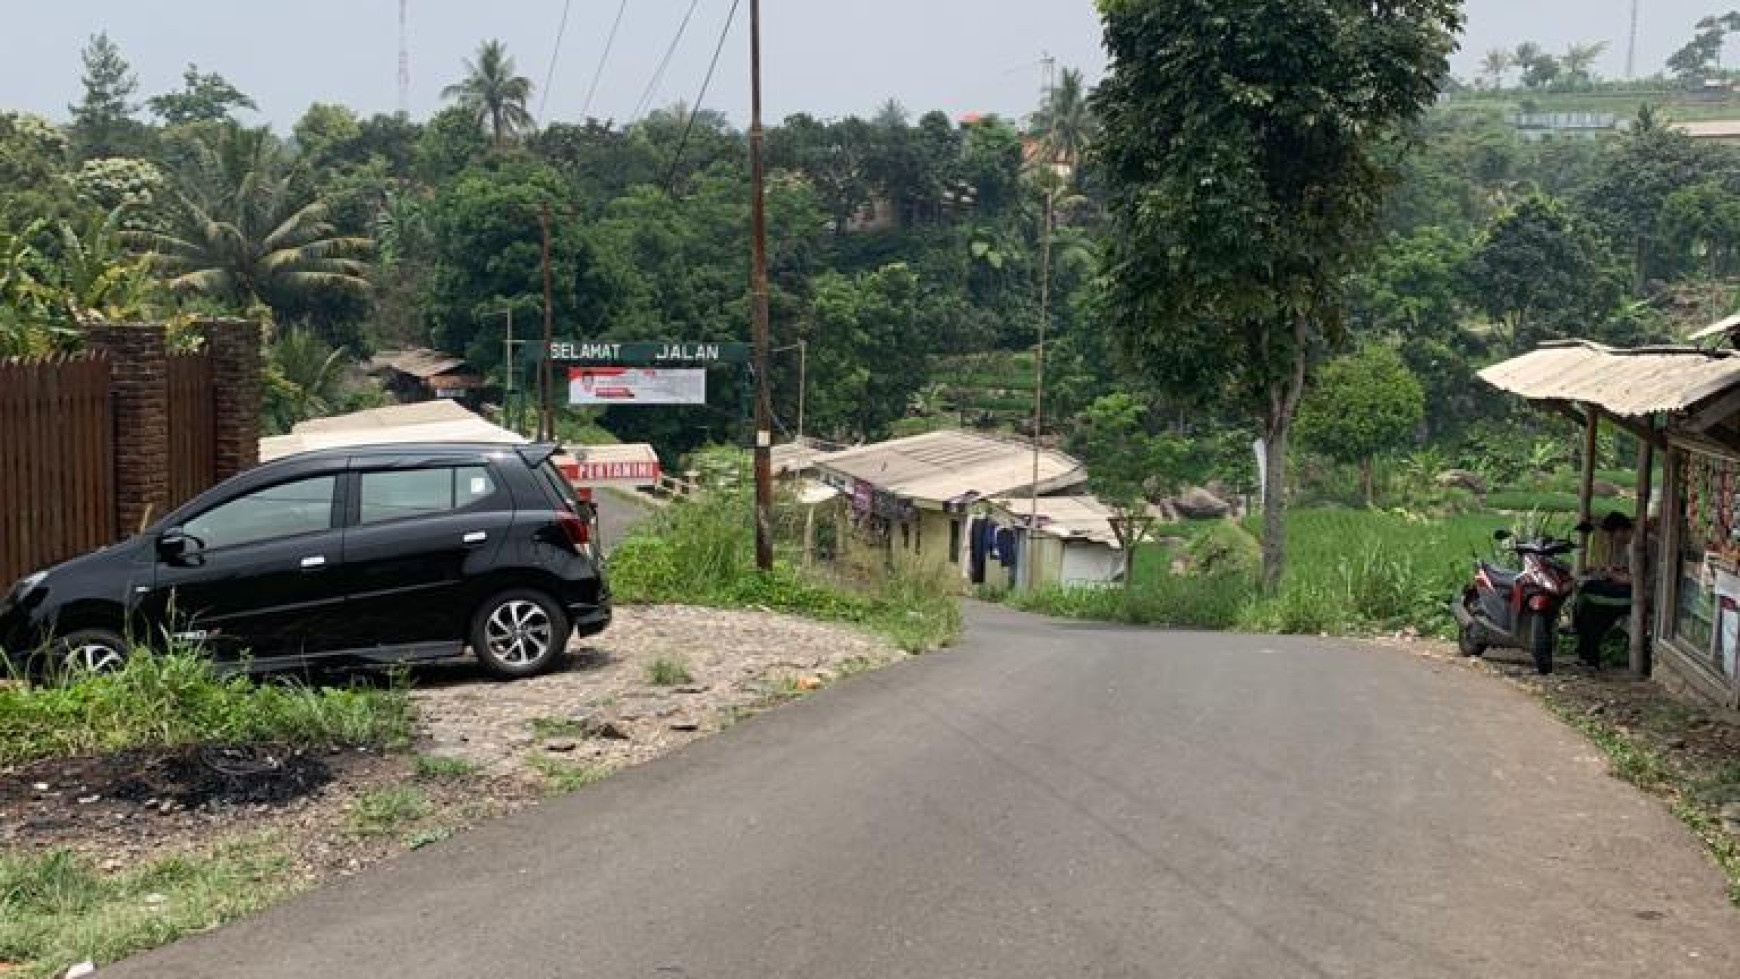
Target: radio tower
x=404, y=57
x=1631, y=51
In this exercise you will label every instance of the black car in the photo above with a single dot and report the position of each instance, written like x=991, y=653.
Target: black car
x=377, y=554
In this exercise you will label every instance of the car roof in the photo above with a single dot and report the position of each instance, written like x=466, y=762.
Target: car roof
x=401, y=450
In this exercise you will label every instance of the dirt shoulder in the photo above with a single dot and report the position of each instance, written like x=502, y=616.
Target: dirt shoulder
x=483, y=749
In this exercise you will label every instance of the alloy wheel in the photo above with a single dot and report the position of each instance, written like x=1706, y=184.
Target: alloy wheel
x=518, y=632
x=92, y=657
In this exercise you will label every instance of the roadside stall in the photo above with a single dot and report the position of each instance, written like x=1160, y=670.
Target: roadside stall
x=1683, y=404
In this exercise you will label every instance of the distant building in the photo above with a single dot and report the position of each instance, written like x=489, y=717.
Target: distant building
x=1712, y=130
x=1536, y=127
x=420, y=374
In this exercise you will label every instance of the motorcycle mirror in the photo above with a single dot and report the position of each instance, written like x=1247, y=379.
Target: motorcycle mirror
x=1501, y=535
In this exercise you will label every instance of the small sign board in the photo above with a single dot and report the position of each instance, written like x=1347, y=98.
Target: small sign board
x=617, y=386
x=649, y=354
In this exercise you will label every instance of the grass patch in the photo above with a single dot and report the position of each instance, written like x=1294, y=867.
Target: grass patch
x=668, y=671
x=427, y=837
x=1349, y=571
x=57, y=909
x=702, y=552
x=563, y=777
x=387, y=810
x=1522, y=501
x=545, y=728
x=176, y=699
x=435, y=768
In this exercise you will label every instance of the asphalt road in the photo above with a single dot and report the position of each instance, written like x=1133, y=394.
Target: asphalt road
x=1057, y=800
x=618, y=512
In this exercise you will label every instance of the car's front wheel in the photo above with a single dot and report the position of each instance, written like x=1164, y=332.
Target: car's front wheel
x=85, y=652
x=519, y=633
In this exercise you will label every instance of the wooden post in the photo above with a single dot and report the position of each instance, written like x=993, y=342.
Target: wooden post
x=1586, y=489
x=1640, y=567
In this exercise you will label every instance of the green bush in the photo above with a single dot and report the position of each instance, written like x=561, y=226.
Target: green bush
x=176, y=698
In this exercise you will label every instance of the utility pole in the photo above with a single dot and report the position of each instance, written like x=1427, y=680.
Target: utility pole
x=1631, y=50
x=509, y=369
x=1048, y=174
x=758, y=233
x=803, y=385
x=546, y=381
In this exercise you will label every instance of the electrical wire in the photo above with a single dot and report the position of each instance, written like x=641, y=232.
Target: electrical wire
x=652, y=85
x=555, y=56
x=597, y=76
x=701, y=99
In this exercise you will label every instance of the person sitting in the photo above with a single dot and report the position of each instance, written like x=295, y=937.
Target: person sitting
x=1605, y=596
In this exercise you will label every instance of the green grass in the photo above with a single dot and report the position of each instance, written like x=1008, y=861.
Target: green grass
x=58, y=909
x=563, y=777
x=545, y=728
x=702, y=552
x=435, y=768
x=668, y=671
x=1349, y=571
x=176, y=699
x=1523, y=501
x=386, y=810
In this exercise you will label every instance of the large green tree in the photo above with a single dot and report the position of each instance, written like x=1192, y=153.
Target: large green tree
x=1541, y=272
x=1241, y=140
x=102, y=120
x=203, y=97
x=495, y=94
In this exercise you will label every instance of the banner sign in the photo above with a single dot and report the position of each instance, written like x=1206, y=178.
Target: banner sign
x=650, y=354
x=610, y=386
x=614, y=473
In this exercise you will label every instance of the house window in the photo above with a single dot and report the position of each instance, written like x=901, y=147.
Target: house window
x=906, y=537
x=954, y=542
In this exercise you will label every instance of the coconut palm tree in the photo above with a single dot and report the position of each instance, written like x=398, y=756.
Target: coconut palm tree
x=1579, y=61
x=1065, y=123
x=494, y=95
x=304, y=379
x=1496, y=65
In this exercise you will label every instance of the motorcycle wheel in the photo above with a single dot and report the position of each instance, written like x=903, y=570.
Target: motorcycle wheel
x=1468, y=641
x=1542, y=643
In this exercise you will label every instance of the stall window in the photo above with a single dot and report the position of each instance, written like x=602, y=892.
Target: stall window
x=1707, y=587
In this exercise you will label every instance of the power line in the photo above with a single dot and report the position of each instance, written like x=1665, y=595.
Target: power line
x=555, y=56
x=701, y=99
x=597, y=76
x=652, y=86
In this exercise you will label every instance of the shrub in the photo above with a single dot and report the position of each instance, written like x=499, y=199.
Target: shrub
x=668, y=671
x=174, y=699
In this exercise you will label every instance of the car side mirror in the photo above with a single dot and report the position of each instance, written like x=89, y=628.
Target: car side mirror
x=172, y=546
x=1501, y=535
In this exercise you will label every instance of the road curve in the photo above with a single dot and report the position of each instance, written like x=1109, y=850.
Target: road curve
x=1057, y=800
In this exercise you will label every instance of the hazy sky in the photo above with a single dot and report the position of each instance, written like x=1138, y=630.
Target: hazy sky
x=827, y=57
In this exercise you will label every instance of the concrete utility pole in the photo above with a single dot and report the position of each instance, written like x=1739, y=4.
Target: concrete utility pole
x=1631, y=50
x=758, y=233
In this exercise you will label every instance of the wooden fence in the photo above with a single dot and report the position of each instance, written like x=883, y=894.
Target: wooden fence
x=57, y=462
x=192, y=427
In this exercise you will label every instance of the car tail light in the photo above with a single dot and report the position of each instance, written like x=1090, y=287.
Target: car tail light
x=578, y=530
x=1541, y=603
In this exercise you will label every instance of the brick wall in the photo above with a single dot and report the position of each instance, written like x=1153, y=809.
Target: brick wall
x=234, y=347
x=139, y=393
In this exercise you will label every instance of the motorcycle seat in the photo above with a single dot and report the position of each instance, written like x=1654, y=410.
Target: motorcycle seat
x=1501, y=579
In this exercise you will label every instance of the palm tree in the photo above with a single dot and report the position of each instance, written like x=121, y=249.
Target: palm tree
x=304, y=379
x=494, y=95
x=1065, y=123
x=1496, y=65
x=1579, y=61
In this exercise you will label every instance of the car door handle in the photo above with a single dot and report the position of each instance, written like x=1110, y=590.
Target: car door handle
x=476, y=537
x=310, y=563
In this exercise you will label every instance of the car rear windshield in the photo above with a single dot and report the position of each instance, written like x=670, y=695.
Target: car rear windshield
x=558, y=484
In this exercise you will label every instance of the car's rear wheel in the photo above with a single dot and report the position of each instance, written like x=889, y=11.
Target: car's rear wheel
x=519, y=633
x=86, y=652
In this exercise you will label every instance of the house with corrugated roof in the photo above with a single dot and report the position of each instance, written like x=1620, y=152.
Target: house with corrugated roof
x=914, y=498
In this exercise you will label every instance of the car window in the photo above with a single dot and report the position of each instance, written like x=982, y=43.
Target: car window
x=303, y=507
x=559, y=485
x=422, y=492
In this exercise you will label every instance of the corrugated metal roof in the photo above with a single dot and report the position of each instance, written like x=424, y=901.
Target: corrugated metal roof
x=1066, y=517
x=944, y=466
x=1625, y=383
x=433, y=421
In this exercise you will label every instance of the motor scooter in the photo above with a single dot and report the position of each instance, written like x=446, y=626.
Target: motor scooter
x=1517, y=609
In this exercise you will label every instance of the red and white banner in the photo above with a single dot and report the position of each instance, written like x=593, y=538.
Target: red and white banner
x=604, y=473
x=636, y=386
